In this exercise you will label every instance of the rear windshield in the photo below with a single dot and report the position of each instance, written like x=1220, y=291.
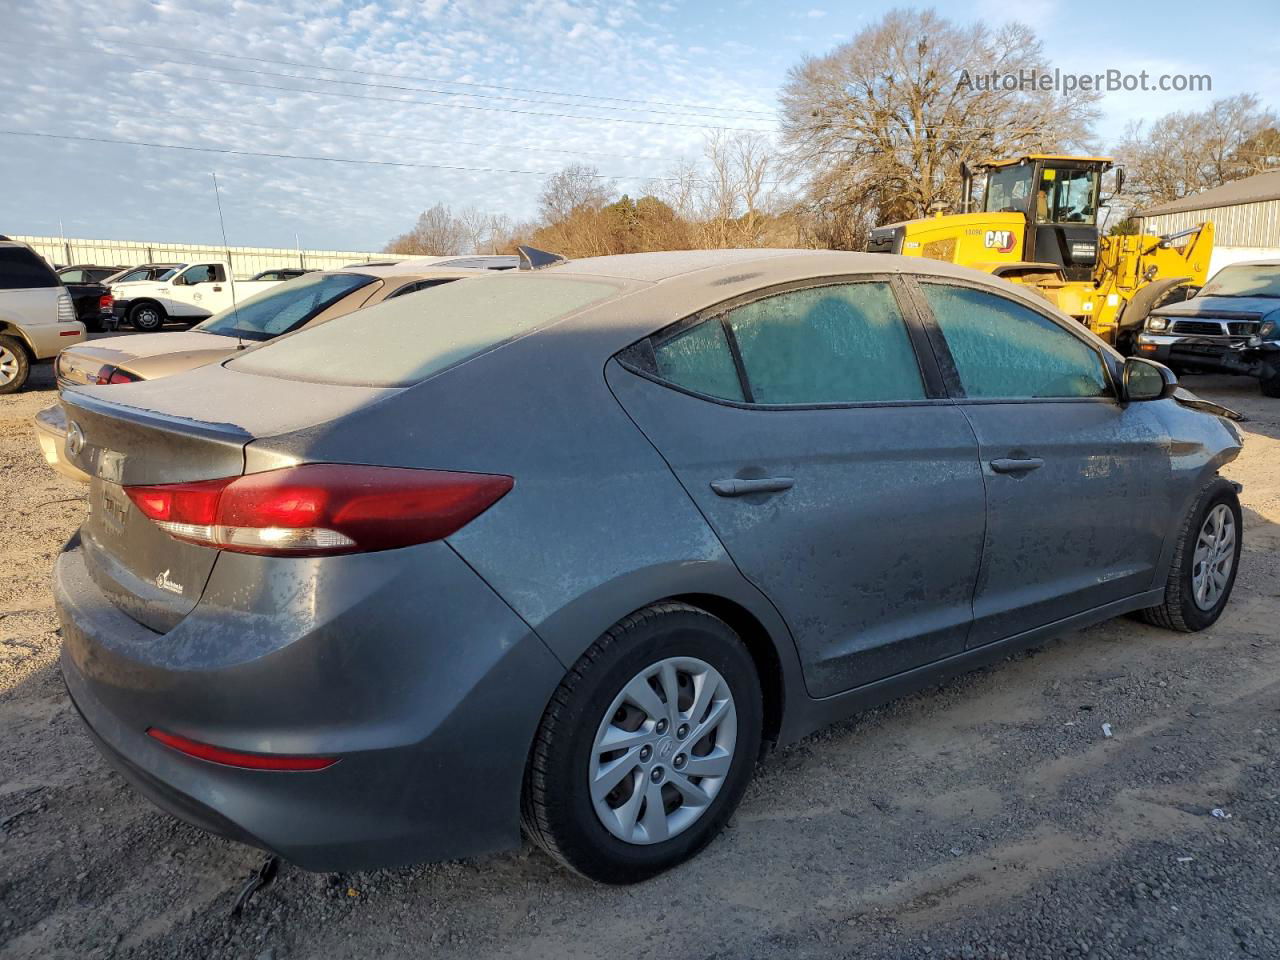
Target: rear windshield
x=22, y=269
x=285, y=307
x=402, y=341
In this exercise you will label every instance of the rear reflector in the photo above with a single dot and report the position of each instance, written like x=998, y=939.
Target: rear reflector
x=234, y=758
x=68, y=333
x=320, y=509
x=110, y=374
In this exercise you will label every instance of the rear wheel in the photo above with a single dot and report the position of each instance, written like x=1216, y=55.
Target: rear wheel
x=1204, y=565
x=147, y=316
x=15, y=365
x=646, y=747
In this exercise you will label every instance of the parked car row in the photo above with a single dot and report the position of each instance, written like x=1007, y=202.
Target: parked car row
x=558, y=550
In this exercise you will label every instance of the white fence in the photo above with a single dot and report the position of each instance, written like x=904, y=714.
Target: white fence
x=245, y=261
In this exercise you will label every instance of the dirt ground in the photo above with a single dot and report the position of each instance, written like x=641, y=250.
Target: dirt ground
x=987, y=818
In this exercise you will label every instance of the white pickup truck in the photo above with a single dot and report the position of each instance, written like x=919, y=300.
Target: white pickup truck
x=188, y=292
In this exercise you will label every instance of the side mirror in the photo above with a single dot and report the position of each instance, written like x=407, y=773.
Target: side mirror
x=1146, y=380
x=179, y=281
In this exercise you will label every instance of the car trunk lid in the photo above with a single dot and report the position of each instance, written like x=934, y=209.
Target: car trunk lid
x=150, y=433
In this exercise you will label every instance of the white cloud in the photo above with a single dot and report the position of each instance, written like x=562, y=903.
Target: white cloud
x=601, y=47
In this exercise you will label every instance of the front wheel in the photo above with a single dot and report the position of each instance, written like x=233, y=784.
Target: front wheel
x=1205, y=560
x=646, y=747
x=147, y=317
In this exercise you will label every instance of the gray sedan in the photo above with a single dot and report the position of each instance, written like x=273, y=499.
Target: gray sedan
x=569, y=556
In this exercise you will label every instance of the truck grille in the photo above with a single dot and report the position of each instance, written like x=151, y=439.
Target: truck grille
x=1200, y=328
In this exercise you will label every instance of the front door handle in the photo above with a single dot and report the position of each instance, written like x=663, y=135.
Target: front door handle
x=1010, y=465
x=218, y=288
x=738, y=487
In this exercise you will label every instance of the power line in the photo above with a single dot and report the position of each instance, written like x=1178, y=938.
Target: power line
x=227, y=151
x=763, y=114
x=465, y=106
x=355, y=83
x=399, y=138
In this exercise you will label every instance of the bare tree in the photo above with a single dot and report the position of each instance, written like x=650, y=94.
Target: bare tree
x=880, y=125
x=576, y=186
x=437, y=233
x=1186, y=152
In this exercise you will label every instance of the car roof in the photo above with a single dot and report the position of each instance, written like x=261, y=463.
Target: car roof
x=761, y=265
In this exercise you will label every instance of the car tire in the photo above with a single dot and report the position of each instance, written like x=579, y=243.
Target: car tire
x=15, y=364
x=1270, y=384
x=148, y=317
x=598, y=703
x=1197, y=554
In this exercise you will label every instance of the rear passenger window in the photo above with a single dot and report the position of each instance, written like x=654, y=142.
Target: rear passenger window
x=845, y=343
x=699, y=359
x=22, y=269
x=1002, y=349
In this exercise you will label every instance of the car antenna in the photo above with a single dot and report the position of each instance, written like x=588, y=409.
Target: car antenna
x=235, y=310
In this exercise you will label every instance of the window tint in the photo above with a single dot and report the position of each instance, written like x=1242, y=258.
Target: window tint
x=21, y=269
x=699, y=359
x=1003, y=349
x=201, y=273
x=844, y=343
x=285, y=307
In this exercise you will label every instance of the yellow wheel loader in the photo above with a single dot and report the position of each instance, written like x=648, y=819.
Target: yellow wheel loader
x=1038, y=226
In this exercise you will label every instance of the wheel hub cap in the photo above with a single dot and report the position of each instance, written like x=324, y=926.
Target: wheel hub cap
x=647, y=784
x=1215, y=554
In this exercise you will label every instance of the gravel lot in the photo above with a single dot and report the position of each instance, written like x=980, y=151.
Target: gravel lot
x=987, y=818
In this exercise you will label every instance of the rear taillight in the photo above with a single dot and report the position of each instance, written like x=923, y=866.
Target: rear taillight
x=106, y=303
x=110, y=374
x=320, y=509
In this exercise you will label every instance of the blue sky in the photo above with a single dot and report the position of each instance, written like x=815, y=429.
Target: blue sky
x=148, y=70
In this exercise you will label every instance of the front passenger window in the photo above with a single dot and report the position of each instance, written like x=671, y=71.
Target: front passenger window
x=1004, y=350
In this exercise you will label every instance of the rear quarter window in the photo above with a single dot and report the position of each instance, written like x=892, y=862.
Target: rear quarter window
x=22, y=269
x=405, y=340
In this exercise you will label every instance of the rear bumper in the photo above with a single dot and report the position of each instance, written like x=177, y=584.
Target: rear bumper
x=51, y=434
x=430, y=699
x=46, y=339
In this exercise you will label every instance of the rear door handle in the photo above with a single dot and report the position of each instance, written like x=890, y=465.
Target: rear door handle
x=738, y=487
x=1009, y=465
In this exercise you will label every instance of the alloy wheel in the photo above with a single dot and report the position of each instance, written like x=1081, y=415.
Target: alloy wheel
x=1214, y=557
x=663, y=750
x=8, y=366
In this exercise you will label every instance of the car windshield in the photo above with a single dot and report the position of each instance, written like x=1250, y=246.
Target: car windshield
x=170, y=272
x=285, y=307
x=1245, y=280
x=405, y=340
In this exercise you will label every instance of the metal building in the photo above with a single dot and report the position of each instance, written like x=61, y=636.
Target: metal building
x=1245, y=215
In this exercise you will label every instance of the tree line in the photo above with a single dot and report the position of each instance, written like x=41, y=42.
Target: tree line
x=875, y=131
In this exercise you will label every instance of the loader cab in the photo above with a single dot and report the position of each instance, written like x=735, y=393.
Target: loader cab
x=1059, y=196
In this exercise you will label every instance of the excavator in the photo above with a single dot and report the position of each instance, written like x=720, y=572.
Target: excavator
x=1038, y=226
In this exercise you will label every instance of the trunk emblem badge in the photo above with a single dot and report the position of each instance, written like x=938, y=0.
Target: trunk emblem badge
x=164, y=583
x=75, y=438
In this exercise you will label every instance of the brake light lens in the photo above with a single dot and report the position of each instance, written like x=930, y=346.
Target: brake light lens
x=321, y=509
x=110, y=374
x=106, y=303
x=237, y=758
